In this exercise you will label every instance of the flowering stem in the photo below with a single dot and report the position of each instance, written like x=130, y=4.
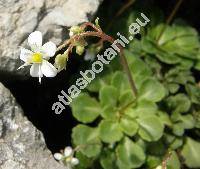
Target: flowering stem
x=104, y=37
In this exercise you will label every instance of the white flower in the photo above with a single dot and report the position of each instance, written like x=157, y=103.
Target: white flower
x=38, y=56
x=58, y=156
x=74, y=161
x=68, y=151
x=67, y=158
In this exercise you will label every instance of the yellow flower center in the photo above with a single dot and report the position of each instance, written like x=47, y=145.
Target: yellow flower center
x=36, y=58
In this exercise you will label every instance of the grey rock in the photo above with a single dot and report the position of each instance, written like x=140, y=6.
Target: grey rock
x=22, y=146
x=52, y=17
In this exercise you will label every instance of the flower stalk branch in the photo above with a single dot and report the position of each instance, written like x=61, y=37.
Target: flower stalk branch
x=104, y=37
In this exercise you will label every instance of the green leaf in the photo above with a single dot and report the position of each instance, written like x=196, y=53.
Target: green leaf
x=109, y=112
x=151, y=129
x=173, y=87
x=85, y=108
x=152, y=48
x=126, y=98
x=108, y=159
x=120, y=81
x=188, y=121
x=144, y=108
x=151, y=90
x=179, y=103
x=84, y=161
x=178, y=129
x=153, y=161
x=88, y=139
x=194, y=93
x=108, y=96
x=179, y=76
x=191, y=153
x=130, y=154
x=164, y=118
x=110, y=131
x=129, y=126
x=139, y=69
x=100, y=81
x=177, y=43
x=177, y=142
x=173, y=162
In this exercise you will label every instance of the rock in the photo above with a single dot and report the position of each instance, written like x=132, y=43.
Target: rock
x=22, y=146
x=52, y=17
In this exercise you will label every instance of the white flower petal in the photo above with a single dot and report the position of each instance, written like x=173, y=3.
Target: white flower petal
x=48, y=69
x=35, y=40
x=25, y=54
x=58, y=156
x=68, y=151
x=75, y=161
x=49, y=49
x=35, y=70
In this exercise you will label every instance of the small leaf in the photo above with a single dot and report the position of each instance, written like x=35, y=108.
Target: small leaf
x=151, y=129
x=178, y=129
x=177, y=142
x=179, y=103
x=87, y=138
x=194, y=93
x=120, y=82
x=126, y=98
x=109, y=112
x=151, y=90
x=110, y=131
x=85, y=108
x=129, y=126
x=144, y=108
x=153, y=161
x=108, y=96
x=188, y=121
x=84, y=161
x=108, y=159
x=191, y=153
x=139, y=69
x=102, y=80
x=130, y=154
x=164, y=118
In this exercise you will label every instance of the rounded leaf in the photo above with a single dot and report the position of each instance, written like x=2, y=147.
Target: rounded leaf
x=87, y=137
x=130, y=154
x=151, y=90
x=129, y=126
x=151, y=128
x=110, y=131
x=191, y=153
x=85, y=108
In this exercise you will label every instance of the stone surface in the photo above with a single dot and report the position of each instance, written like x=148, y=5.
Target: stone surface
x=52, y=17
x=22, y=146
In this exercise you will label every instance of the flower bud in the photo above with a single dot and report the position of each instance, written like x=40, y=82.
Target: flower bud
x=75, y=30
x=80, y=49
x=61, y=62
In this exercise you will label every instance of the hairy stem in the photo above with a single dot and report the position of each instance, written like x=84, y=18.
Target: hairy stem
x=104, y=37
